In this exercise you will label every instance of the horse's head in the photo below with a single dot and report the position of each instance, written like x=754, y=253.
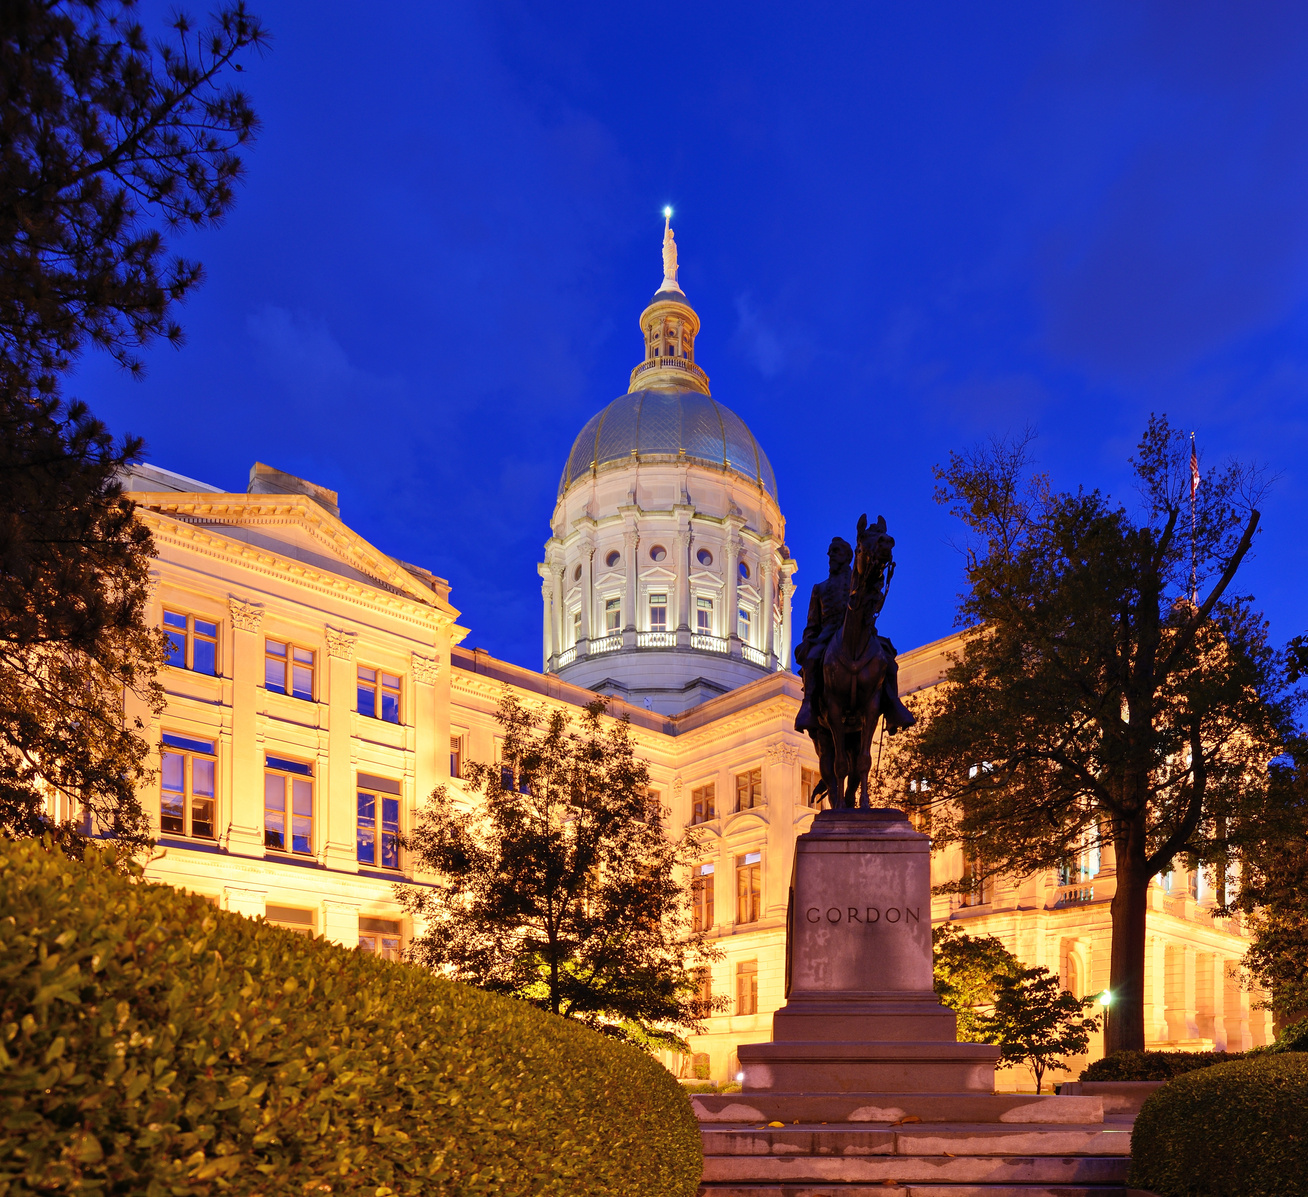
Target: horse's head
x=873, y=550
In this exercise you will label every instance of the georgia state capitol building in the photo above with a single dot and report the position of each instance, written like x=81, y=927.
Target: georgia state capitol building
x=318, y=692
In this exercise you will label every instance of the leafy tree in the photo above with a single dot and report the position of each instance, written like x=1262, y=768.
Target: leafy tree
x=1096, y=702
x=104, y=138
x=968, y=969
x=560, y=887
x=1036, y=1021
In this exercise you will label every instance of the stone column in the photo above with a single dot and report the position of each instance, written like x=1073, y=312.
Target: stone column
x=731, y=549
x=768, y=566
x=630, y=547
x=1189, y=1014
x=787, y=594
x=336, y=801
x=245, y=821
x=587, y=548
x=556, y=581
x=547, y=625
x=685, y=616
x=1217, y=984
x=340, y=922
x=1156, y=1013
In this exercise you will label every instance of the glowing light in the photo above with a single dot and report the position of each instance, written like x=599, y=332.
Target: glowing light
x=1106, y=997
x=667, y=213
x=740, y=1077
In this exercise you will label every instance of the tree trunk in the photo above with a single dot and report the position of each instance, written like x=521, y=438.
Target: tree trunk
x=1125, y=1028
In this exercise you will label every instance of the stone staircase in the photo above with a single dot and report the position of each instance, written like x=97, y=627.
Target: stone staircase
x=911, y=1145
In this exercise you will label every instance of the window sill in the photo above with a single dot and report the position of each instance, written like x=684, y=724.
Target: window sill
x=303, y=862
x=175, y=841
x=381, y=874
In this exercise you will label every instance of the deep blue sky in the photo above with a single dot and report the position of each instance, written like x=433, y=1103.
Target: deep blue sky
x=916, y=225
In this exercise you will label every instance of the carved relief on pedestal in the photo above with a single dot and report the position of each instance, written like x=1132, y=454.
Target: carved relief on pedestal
x=340, y=643
x=246, y=617
x=426, y=669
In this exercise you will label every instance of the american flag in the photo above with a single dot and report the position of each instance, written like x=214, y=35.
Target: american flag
x=1194, y=469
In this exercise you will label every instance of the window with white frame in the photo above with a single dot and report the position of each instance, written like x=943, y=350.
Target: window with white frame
x=704, y=616
x=186, y=800
x=288, y=805
x=743, y=624
x=576, y=627
x=658, y=612
x=612, y=616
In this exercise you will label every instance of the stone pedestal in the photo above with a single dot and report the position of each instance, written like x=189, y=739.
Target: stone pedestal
x=860, y=1012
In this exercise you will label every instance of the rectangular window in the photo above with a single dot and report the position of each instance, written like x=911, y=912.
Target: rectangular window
x=704, y=616
x=701, y=894
x=192, y=642
x=747, y=987
x=704, y=992
x=576, y=627
x=292, y=918
x=975, y=887
x=808, y=779
x=377, y=829
x=379, y=694
x=380, y=936
x=456, y=756
x=742, y=624
x=749, y=789
x=288, y=805
x=749, y=882
x=613, y=616
x=288, y=669
x=658, y=612
x=703, y=806
x=187, y=793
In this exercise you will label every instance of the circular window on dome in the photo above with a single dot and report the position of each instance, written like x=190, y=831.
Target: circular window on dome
x=576, y=574
x=704, y=557
x=658, y=553
x=744, y=571
x=613, y=558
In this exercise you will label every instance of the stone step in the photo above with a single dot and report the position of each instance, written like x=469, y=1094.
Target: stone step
x=761, y=1107
x=913, y=1190
x=983, y=1139
x=886, y=1170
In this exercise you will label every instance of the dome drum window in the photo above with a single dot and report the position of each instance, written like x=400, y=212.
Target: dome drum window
x=576, y=574
x=612, y=559
x=704, y=557
x=658, y=553
x=744, y=571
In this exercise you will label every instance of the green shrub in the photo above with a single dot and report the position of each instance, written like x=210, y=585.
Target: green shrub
x=1153, y=1066
x=152, y=1045
x=1232, y=1130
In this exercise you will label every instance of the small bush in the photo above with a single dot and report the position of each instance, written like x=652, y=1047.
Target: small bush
x=1153, y=1066
x=152, y=1045
x=1231, y=1130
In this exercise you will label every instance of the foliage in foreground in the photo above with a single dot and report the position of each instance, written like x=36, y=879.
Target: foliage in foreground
x=1163, y=1066
x=967, y=970
x=1230, y=1129
x=1036, y=1022
x=153, y=1045
x=561, y=886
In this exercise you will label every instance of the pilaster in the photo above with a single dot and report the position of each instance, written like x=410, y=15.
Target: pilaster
x=340, y=922
x=548, y=648
x=767, y=565
x=246, y=900
x=245, y=820
x=337, y=798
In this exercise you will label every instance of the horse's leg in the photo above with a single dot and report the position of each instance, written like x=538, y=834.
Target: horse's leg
x=839, y=751
x=863, y=765
x=827, y=768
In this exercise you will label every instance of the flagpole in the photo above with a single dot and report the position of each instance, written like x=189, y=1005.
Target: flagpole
x=1194, y=488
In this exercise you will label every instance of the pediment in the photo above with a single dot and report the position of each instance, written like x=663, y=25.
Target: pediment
x=298, y=531
x=657, y=574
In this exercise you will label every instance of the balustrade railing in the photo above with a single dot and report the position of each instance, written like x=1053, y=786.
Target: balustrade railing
x=754, y=656
x=566, y=657
x=1074, y=895
x=656, y=639
x=708, y=644
x=605, y=644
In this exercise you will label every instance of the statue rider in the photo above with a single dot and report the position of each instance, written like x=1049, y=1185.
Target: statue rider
x=826, y=613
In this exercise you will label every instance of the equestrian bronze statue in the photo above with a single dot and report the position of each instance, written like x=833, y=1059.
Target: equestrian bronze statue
x=850, y=676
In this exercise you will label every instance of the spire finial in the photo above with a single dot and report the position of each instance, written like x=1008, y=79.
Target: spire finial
x=669, y=255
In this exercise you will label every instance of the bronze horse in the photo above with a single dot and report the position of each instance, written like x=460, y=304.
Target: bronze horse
x=854, y=670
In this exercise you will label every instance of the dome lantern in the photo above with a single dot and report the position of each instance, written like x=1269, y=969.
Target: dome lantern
x=669, y=325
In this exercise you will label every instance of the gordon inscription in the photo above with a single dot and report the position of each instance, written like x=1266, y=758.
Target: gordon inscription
x=871, y=914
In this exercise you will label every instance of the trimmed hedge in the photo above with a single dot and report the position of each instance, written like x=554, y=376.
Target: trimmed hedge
x=152, y=1045
x=1232, y=1130
x=1153, y=1066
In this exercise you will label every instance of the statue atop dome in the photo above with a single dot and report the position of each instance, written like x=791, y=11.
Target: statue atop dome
x=669, y=255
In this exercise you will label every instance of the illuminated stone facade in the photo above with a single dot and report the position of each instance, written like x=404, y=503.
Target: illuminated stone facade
x=320, y=693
